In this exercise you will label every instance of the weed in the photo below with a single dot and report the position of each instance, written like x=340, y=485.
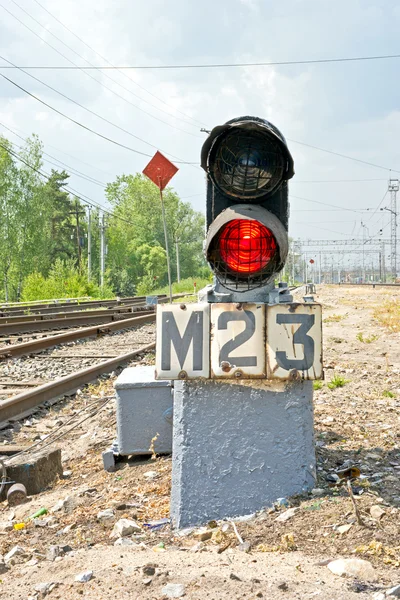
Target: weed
x=366, y=340
x=315, y=505
x=388, y=394
x=334, y=319
x=317, y=385
x=337, y=381
x=388, y=314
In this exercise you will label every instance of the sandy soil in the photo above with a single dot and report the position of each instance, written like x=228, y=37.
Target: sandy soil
x=356, y=424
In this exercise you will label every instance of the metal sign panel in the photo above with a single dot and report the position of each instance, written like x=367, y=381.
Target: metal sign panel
x=237, y=341
x=183, y=341
x=160, y=170
x=294, y=341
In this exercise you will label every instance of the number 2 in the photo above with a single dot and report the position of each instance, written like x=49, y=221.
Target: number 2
x=250, y=321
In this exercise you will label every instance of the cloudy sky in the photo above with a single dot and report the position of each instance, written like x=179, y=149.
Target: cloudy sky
x=352, y=108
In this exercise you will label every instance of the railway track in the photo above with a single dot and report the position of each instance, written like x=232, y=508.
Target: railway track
x=31, y=373
x=29, y=381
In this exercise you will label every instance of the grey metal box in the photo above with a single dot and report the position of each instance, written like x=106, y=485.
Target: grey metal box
x=144, y=409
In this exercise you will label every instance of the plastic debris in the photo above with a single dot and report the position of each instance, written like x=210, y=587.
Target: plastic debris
x=155, y=525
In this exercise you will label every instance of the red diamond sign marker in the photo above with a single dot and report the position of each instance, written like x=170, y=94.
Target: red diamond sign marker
x=160, y=170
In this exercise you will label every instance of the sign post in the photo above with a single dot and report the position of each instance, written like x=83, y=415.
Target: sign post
x=160, y=171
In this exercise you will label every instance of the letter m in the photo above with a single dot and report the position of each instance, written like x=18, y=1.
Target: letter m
x=170, y=336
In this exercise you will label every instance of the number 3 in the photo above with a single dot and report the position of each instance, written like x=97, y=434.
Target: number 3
x=299, y=337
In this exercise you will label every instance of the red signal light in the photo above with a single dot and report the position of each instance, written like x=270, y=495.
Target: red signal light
x=246, y=246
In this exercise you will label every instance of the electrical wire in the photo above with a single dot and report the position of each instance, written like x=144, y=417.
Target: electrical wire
x=234, y=65
x=122, y=72
x=364, y=162
x=85, y=126
x=72, y=169
x=87, y=110
x=75, y=65
x=324, y=203
x=105, y=400
x=78, y=195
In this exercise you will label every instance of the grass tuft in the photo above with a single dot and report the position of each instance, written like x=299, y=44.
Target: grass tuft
x=337, y=381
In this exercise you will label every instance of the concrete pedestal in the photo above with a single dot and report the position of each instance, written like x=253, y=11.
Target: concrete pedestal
x=237, y=447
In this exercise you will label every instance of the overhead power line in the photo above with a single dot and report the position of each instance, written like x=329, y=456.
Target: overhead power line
x=104, y=137
x=114, y=67
x=281, y=63
x=364, y=162
x=90, y=111
x=63, y=164
x=88, y=74
x=78, y=195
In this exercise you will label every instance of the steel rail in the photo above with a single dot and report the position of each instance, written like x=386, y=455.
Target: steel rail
x=29, y=326
x=373, y=284
x=34, y=346
x=71, y=306
x=54, y=303
x=25, y=401
x=69, y=315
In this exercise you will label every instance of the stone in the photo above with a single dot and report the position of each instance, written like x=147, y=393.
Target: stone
x=151, y=475
x=84, y=577
x=44, y=588
x=353, y=567
x=125, y=527
x=149, y=569
x=67, y=474
x=317, y=492
x=197, y=547
x=66, y=505
x=344, y=528
x=283, y=586
x=282, y=502
x=376, y=512
x=54, y=552
x=124, y=542
x=16, y=554
x=245, y=547
x=106, y=515
x=6, y=526
x=173, y=590
x=379, y=596
x=203, y=534
x=234, y=577
x=36, y=472
x=393, y=592
x=3, y=566
x=285, y=516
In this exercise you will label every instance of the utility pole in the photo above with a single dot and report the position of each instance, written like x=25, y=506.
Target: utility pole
x=89, y=246
x=102, y=251
x=393, y=188
x=383, y=262
x=77, y=214
x=178, y=266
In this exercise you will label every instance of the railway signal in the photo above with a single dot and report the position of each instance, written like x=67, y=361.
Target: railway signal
x=248, y=165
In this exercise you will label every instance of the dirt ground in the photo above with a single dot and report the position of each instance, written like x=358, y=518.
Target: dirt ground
x=356, y=424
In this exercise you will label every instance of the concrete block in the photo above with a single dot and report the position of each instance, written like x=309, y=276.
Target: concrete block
x=36, y=471
x=237, y=447
x=144, y=409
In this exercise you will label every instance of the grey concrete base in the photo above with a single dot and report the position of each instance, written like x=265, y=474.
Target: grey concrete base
x=35, y=472
x=237, y=447
x=144, y=409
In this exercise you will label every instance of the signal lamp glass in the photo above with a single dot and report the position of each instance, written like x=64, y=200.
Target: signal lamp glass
x=247, y=164
x=246, y=246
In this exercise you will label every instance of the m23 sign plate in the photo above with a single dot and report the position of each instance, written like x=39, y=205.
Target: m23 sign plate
x=230, y=341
